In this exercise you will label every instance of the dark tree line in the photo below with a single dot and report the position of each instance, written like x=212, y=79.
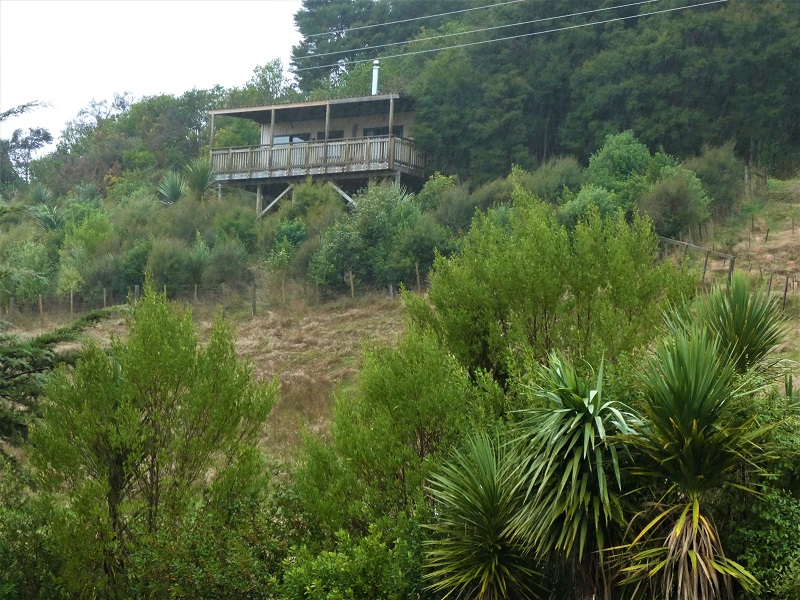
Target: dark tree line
x=681, y=79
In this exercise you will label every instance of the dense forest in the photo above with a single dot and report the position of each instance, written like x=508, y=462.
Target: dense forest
x=566, y=413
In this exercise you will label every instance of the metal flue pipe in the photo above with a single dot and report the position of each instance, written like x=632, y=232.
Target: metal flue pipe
x=376, y=67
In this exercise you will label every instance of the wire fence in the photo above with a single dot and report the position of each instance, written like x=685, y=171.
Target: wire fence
x=267, y=292
x=264, y=294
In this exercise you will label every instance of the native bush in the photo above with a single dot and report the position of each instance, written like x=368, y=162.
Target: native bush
x=621, y=166
x=129, y=440
x=589, y=197
x=412, y=404
x=520, y=285
x=227, y=263
x=676, y=202
x=169, y=262
x=722, y=176
x=548, y=181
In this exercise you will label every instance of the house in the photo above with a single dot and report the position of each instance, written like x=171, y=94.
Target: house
x=344, y=142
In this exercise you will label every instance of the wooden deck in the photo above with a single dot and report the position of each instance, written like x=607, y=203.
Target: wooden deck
x=357, y=156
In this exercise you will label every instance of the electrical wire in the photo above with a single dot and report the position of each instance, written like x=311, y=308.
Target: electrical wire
x=455, y=12
x=484, y=29
x=514, y=37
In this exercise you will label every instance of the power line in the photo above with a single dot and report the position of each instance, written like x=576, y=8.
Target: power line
x=484, y=29
x=455, y=12
x=514, y=37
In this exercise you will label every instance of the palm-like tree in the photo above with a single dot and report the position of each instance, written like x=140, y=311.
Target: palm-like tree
x=50, y=218
x=569, y=476
x=745, y=321
x=472, y=554
x=172, y=187
x=40, y=195
x=692, y=440
x=199, y=178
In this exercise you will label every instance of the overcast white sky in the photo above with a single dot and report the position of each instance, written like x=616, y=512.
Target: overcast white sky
x=67, y=52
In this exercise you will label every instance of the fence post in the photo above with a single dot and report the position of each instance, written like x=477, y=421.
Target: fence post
x=222, y=288
x=11, y=302
x=41, y=311
x=730, y=269
x=705, y=266
x=104, y=297
x=195, y=294
x=136, y=293
x=785, y=291
x=352, y=285
x=165, y=291
x=253, y=301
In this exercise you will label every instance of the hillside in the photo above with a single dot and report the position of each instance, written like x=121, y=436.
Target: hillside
x=312, y=349
x=316, y=349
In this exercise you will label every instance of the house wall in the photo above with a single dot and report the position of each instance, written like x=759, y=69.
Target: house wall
x=352, y=126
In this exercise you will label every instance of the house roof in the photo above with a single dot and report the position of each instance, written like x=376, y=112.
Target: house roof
x=315, y=109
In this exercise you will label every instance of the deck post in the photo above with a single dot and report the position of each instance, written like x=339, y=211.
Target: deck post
x=390, y=149
x=259, y=199
x=271, y=141
x=327, y=133
x=211, y=141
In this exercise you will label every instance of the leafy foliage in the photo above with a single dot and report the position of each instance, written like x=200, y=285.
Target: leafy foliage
x=172, y=187
x=199, y=179
x=569, y=475
x=129, y=438
x=526, y=285
x=745, y=321
x=693, y=442
x=473, y=553
x=382, y=564
x=676, y=202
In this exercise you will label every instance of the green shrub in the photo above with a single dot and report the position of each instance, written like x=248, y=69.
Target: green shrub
x=228, y=264
x=428, y=197
x=455, y=208
x=676, y=202
x=722, y=176
x=590, y=197
x=169, y=262
x=549, y=180
x=621, y=166
x=386, y=563
x=236, y=221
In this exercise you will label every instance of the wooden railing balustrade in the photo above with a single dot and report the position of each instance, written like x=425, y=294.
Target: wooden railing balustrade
x=349, y=155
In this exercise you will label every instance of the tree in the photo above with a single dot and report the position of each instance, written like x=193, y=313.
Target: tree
x=7, y=172
x=199, y=179
x=412, y=405
x=676, y=202
x=21, y=148
x=131, y=437
x=522, y=284
x=473, y=552
x=694, y=445
x=569, y=477
x=172, y=187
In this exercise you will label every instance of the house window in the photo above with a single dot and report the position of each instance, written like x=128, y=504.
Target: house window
x=296, y=138
x=332, y=135
x=397, y=130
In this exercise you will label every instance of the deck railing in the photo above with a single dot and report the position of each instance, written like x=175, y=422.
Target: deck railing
x=350, y=155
